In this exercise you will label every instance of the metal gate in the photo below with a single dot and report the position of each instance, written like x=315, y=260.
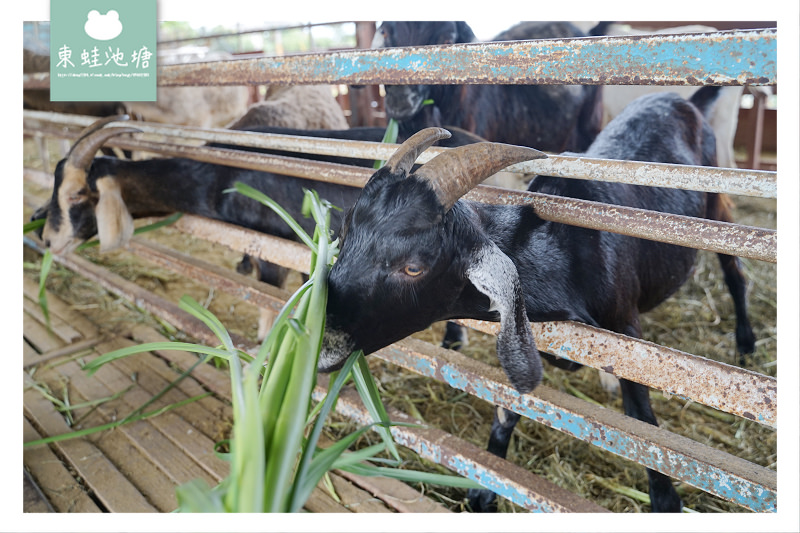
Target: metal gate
x=721, y=58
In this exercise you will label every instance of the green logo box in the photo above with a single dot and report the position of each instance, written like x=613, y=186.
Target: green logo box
x=103, y=50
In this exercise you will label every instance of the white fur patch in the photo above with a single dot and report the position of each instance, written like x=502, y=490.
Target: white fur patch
x=336, y=348
x=114, y=221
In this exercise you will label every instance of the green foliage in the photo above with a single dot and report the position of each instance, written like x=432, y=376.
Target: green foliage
x=274, y=457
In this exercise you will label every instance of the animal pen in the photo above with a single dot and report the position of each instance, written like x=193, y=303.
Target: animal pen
x=178, y=445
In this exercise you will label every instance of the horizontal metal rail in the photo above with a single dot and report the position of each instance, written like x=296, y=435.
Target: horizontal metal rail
x=719, y=473
x=707, y=179
x=518, y=484
x=714, y=236
x=728, y=388
x=718, y=58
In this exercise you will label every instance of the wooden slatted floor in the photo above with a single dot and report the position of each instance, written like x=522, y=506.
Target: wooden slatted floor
x=137, y=466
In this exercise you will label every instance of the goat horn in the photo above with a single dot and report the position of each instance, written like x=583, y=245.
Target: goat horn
x=82, y=152
x=453, y=173
x=404, y=157
x=96, y=125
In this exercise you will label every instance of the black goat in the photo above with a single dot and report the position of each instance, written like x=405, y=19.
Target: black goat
x=412, y=254
x=547, y=117
x=103, y=195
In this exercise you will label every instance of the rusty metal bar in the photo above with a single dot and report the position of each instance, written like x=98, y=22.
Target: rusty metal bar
x=514, y=482
x=243, y=287
x=282, y=252
x=716, y=472
x=728, y=388
x=714, y=236
x=708, y=179
x=725, y=387
x=718, y=58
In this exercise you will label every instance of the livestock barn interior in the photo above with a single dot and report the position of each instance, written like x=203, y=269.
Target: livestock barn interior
x=573, y=450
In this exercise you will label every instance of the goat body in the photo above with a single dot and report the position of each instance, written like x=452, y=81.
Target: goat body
x=546, y=117
x=306, y=107
x=408, y=260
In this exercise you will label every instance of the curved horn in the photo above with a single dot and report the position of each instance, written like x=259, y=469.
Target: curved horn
x=404, y=157
x=96, y=125
x=82, y=152
x=453, y=173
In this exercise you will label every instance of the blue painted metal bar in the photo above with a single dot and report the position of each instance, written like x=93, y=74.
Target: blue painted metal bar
x=512, y=482
x=719, y=58
x=713, y=471
x=728, y=388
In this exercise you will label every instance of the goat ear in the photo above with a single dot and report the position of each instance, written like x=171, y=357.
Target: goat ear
x=114, y=221
x=493, y=273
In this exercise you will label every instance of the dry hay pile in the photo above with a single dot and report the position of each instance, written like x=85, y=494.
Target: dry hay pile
x=698, y=319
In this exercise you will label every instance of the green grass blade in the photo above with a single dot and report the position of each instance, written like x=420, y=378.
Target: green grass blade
x=291, y=420
x=389, y=136
x=112, y=425
x=196, y=497
x=33, y=225
x=413, y=476
x=47, y=261
x=321, y=463
x=95, y=364
x=371, y=397
x=304, y=477
x=259, y=196
x=189, y=304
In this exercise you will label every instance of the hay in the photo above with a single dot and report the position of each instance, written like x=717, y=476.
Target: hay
x=698, y=319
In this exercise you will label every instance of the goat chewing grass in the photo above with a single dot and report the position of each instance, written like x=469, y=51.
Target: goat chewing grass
x=275, y=462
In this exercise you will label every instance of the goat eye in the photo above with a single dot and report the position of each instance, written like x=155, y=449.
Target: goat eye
x=77, y=197
x=413, y=270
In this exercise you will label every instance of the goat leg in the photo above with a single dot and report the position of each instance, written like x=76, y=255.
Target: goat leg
x=737, y=285
x=484, y=500
x=636, y=401
x=455, y=336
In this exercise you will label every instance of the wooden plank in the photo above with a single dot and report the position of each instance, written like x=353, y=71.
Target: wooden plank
x=188, y=443
x=144, y=434
x=38, y=336
x=396, y=494
x=67, y=350
x=208, y=420
x=61, y=309
x=110, y=486
x=355, y=499
x=322, y=502
x=154, y=484
x=33, y=500
x=29, y=354
x=61, y=489
x=58, y=325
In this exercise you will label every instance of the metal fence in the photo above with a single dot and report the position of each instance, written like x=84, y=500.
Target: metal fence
x=721, y=58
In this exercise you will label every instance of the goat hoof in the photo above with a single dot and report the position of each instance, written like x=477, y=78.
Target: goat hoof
x=482, y=501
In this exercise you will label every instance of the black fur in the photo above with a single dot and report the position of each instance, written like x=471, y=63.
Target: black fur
x=545, y=117
x=567, y=272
